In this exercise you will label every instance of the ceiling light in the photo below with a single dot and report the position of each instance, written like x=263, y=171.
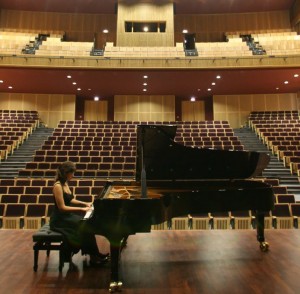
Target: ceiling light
x=277, y=88
x=209, y=89
x=78, y=89
x=218, y=77
x=296, y=75
x=105, y=31
x=184, y=31
x=145, y=84
x=146, y=29
x=89, y=89
x=96, y=98
x=1, y=81
x=198, y=90
x=145, y=90
x=74, y=83
x=145, y=77
x=213, y=84
x=69, y=77
x=10, y=87
x=193, y=99
x=286, y=82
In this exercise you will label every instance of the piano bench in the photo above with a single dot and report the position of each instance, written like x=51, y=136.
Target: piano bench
x=46, y=239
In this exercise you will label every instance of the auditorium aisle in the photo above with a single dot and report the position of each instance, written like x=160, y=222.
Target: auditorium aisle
x=275, y=168
x=10, y=167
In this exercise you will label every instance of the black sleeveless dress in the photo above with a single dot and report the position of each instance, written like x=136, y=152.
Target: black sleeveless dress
x=75, y=231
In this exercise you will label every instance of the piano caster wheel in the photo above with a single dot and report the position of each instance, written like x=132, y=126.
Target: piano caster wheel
x=264, y=246
x=115, y=287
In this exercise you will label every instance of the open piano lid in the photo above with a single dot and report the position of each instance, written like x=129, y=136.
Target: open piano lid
x=164, y=159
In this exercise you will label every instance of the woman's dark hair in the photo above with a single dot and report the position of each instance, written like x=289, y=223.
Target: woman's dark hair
x=64, y=169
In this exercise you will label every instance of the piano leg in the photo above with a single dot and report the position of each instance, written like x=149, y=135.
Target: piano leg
x=260, y=227
x=115, y=254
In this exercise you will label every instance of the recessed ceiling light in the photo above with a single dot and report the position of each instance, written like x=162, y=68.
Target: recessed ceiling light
x=69, y=77
x=209, y=89
x=193, y=99
x=198, y=90
x=286, y=82
x=184, y=31
x=145, y=77
x=96, y=98
x=10, y=87
x=145, y=84
x=277, y=88
x=74, y=83
x=213, y=84
x=145, y=29
x=1, y=81
x=145, y=90
x=89, y=89
x=218, y=77
x=296, y=75
x=105, y=31
x=78, y=89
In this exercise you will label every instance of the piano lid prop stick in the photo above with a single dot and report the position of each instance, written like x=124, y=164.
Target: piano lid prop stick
x=143, y=172
x=143, y=183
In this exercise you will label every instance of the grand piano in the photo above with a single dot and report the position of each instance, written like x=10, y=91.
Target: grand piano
x=173, y=180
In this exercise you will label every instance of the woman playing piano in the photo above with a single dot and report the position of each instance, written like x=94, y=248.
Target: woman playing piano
x=65, y=220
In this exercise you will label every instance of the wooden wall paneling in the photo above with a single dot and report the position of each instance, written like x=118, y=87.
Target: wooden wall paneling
x=80, y=26
x=212, y=27
x=145, y=12
x=236, y=108
x=272, y=102
x=16, y=101
x=29, y=101
x=193, y=110
x=259, y=103
x=156, y=104
x=234, y=119
x=288, y=101
x=55, y=103
x=4, y=101
x=144, y=107
x=133, y=104
x=95, y=110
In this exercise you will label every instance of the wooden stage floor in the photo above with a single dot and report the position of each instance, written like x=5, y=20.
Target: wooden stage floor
x=177, y=262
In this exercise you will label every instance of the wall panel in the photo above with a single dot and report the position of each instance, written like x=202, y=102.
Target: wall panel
x=78, y=27
x=143, y=12
x=236, y=108
x=144, y=107
x=51, y=108
x=95, y=110
x=210, y=27
x=193, y=111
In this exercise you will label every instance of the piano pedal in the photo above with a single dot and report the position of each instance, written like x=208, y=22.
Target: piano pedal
x=115, y=287
x=264, y=246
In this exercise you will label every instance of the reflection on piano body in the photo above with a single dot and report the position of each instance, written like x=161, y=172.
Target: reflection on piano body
x=173, y=181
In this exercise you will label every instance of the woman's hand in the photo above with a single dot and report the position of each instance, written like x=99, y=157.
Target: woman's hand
x=88, y=204
x=85, y=209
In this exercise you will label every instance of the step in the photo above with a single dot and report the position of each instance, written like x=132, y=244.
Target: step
x=275, y=168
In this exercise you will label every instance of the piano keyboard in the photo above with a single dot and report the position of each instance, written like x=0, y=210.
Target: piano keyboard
x=89, y=213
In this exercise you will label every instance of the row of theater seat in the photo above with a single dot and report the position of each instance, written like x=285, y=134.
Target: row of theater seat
x=281, y=136
x=15, y=127
x=284, y=216
x=93, y=145
x=81, y=186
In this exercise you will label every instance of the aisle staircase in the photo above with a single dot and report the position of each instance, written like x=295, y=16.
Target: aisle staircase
x=275, y=168
x=10, y=167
